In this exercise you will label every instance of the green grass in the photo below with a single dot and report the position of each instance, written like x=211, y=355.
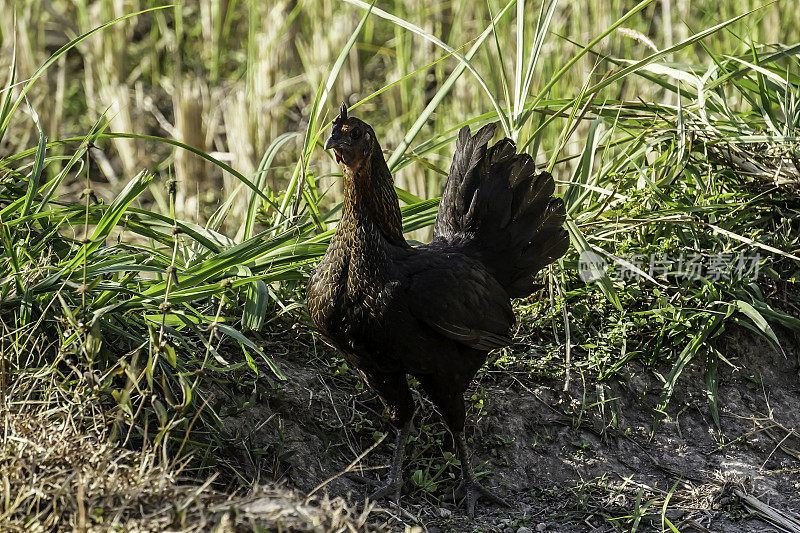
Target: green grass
x=115, y=295
x=691, y=180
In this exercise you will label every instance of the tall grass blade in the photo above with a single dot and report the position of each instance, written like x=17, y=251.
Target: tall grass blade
x=603, y=281
x=261, y=177
x=5, y=109
x=111, y=216
x=38, y=166
x=667, y=51
x=569, y=64
x=5, y=117
x=465, y=60
x=542, y=27
x=412, y=133
x=313, y=133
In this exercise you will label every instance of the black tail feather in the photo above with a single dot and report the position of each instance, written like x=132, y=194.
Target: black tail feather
x=497, y=209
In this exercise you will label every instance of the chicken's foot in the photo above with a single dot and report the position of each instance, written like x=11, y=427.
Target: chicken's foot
x=394, y=481
x=470, y=486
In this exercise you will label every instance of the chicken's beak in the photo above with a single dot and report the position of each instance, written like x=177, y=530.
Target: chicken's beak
x=332, y=143
x=335, y=142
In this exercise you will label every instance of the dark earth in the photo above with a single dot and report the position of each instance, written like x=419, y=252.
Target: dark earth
x=585, y=459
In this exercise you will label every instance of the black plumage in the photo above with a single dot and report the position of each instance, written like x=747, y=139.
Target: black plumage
x=433, y=311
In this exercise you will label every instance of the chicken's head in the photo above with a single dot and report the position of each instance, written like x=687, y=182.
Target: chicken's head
x=352, y=140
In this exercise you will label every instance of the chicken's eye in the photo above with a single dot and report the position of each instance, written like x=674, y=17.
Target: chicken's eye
x=356, y=133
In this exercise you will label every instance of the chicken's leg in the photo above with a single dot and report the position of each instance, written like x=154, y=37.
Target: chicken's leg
x=470, y=486
x=450, y=402
x=394, y=481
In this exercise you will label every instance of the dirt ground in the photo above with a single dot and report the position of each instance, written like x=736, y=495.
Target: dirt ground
x=583, y=460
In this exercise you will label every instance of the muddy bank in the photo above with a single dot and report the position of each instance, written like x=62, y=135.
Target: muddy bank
x=587, y=459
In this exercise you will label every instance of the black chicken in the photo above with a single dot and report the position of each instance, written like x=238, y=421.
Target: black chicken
x=433, y=311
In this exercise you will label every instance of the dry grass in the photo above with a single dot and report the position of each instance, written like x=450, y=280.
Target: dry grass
x=229, y=77
x=769, y=163
x=58, y=476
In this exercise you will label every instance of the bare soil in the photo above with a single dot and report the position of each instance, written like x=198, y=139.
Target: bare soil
x=584, y=459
